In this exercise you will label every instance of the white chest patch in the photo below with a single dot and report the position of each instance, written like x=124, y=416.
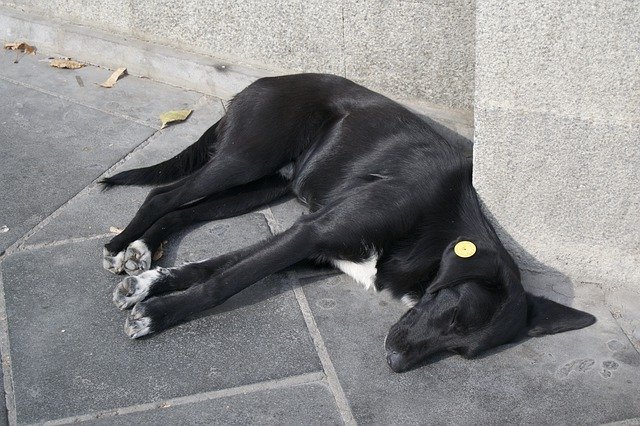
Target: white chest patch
x=363, y=272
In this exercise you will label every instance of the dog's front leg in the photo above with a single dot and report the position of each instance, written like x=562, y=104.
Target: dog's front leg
x=218, y=279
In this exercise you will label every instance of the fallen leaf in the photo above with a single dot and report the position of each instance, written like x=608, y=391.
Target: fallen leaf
x=66, y=63
x=173, y=116
x=114, y=77
x=115, y=230
x=23, y=47
x=158, y=254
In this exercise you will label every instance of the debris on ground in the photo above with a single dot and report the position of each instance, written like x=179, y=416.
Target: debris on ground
x=66, y=63
x=23, y=47
x=115, y=230
x=3, y=229
x=111, y=81
x=158, y=254
x=20, y=47
x=173, y=116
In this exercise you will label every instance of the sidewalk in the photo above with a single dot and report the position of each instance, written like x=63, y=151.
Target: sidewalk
x=301, y=347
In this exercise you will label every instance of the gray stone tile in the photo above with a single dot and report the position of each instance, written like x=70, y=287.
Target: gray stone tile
x=138, y=98
x=584, y=376
x=303, y=404
x=51, y=149
x=70, y=356
x=93, y=212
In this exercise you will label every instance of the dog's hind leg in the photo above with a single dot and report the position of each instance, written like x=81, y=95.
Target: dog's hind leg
x=220, y=174
x=113, y=260
x=229, y=203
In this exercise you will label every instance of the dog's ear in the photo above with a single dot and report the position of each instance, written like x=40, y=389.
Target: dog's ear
x=545, y=316
x=481, y=266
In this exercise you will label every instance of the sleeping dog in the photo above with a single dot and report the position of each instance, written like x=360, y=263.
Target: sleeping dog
x=390, y=202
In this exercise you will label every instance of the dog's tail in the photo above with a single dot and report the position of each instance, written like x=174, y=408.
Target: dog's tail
x=189, y=160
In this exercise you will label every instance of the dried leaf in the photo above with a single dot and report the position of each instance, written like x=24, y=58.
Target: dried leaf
x=23, y=47
x=158, y=254
x=66, y=63
x=114, y=77
x=115, y=230
x=173, y=116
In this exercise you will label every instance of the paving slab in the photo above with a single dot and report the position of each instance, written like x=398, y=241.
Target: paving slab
x=136, y=98
x=70, y=355
x=94, y=211
x=51, y=149
x=587, y=376
x=303, y=404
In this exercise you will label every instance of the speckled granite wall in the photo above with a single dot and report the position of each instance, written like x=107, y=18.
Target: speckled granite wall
x=422, y=50
x=557, y=138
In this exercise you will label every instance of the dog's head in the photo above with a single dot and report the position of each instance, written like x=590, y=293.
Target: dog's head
x=474, y=303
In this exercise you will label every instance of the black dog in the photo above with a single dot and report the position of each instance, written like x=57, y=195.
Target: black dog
x=391, y=203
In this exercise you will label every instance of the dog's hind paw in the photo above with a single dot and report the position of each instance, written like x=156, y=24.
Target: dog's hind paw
x=137, y=323
x=137, y=258
x=113, y=262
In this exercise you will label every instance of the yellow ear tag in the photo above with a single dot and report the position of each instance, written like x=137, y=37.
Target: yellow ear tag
x=465, y=249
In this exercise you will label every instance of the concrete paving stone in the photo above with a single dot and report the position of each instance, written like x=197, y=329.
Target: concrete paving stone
x=51, y=149
x=71, y=357
x=303, y=404
x=94, y=211
x=139, y=98
x=587, y=376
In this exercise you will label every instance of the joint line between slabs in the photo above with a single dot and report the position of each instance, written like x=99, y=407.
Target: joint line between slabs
x=76, y=102
x=327, y=365
x=5, y=349
x=19, y=244
x=267, y=385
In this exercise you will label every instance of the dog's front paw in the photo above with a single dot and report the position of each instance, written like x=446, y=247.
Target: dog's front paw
x=134, y=289
x=137, y=258
x=113, y=262
x=151, y=316
x=139, y=322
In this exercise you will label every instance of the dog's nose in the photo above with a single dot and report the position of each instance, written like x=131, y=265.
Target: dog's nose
x=395, y=361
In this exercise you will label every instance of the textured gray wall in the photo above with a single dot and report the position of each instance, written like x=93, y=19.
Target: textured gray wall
x=421, y=50
x=557, y=135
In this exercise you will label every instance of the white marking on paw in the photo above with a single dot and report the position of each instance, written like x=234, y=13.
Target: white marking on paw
x=409, y=301
x=137, y=325
x=134, y=289
x=113, y=264
x=137, y=258
x=363, y=272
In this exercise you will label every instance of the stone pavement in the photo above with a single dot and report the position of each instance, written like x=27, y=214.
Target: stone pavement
x=304, y=346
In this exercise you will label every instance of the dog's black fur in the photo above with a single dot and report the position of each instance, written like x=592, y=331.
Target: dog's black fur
x=377, y=180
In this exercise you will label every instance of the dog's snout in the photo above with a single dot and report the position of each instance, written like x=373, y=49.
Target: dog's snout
x=395, y=361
